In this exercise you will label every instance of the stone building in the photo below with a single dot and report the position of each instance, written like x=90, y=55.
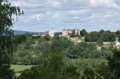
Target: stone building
x=36, y=34
x=117, y=43
x=76, y=31
x=50, y=33
x=66, y=32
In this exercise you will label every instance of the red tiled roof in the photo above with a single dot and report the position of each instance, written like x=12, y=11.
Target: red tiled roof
x=46, y=33
x=35, y=34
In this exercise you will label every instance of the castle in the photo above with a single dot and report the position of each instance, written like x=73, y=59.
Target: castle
x=66, y=32
x=50, y=33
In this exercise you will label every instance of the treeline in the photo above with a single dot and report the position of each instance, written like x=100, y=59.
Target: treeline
x=103, y=36
x=51, y=66
x=30, y=51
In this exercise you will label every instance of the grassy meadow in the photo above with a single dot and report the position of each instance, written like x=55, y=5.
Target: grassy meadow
x=18, y=68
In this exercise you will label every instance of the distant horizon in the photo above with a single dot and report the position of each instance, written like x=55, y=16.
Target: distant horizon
x=61, y=31
x=92, y=15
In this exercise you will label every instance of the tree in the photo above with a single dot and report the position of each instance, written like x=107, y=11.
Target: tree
x=57, y=35
x=114, y=65
x=51, y=66
x=112, y=69
x=103, y=70
x=47, y=37
x=6, y=48
x=83, y=32
x=101, y=31
x=92, y=37
x=108, y=36
x=118, y=32
x=62, y=44
x=100, y=42
x=89, y=74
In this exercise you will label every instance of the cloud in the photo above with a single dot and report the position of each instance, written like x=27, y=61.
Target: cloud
x=76, y=17
x=56, y=15
x=37, y=16
x=24, y=4
x=77, y=12
x=106, y=3
x=56, y=4
x=69, y=13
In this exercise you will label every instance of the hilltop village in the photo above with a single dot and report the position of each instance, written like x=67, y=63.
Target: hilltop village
x=74, y=35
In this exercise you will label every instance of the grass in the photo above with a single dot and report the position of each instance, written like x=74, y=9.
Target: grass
x=18, y=68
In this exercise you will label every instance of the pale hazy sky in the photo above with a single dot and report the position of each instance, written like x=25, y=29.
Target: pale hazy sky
x=42, y=15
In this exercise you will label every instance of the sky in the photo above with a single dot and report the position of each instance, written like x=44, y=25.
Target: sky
x=92, y=15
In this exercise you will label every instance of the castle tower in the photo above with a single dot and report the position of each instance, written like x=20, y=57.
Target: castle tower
x=51, y=33
x=78, y=32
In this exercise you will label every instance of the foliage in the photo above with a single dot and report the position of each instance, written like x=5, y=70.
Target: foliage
x=30, y=51
x=83, y=32
x=92, y=37
x=88, y=74
x=6, y=44
x=112, y=69
x=57, y=35
x=103, y=36
x=108, y=36
x=51, y=67
x=85, y=50
x=103, y=70
x=62, y=44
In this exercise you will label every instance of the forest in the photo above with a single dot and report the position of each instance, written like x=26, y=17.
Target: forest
x=57, y=57
x=44, y=51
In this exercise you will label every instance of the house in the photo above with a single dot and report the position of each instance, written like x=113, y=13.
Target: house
x=36, y=34
x=46, y=33
x=50, y=33
x=117, y=44
x=98, y=47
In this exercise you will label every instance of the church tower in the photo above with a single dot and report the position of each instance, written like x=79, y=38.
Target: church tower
x=51, y=33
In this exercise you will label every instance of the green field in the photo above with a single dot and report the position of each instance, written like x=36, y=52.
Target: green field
x=18, y=68
x=81, y=63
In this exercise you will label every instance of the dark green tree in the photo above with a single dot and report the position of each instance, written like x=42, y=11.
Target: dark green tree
x=88, y=74
x=100, y=42
x=47, y=37
x=103, y=71
x=83, y=32
x=108, y=36
x=101, y=31
x=114, y=65
x=57, y=35
x=112, y=69
x=118, y=32
x=6, y=45
x=92, y=37
x=51, y=66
